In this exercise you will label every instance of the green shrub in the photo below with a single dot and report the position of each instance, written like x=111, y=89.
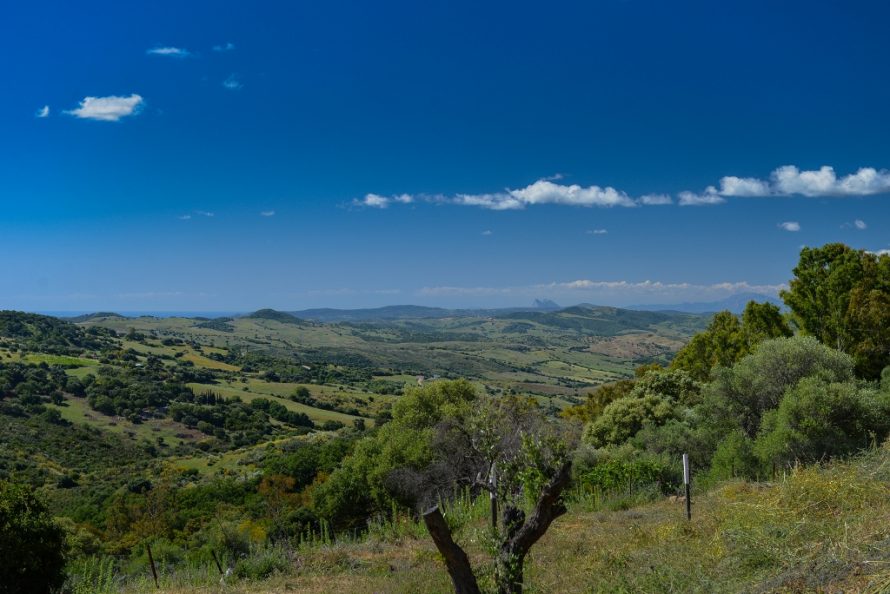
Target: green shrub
x=740, y=395
x=735, y=458
x=32, y=545
x=622, y=468
x=623, y=418
x=819, y=420
x=261, y=563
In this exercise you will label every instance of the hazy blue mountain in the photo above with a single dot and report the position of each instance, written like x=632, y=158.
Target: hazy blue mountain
x=734, y=303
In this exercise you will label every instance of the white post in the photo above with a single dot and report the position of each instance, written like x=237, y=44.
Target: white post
x=686, y=484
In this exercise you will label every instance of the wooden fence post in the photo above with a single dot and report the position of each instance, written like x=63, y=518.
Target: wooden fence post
x=216, y=560
x=151, y=561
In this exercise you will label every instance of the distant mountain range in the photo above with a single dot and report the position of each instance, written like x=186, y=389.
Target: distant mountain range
x=415, y=312
x=734, y=303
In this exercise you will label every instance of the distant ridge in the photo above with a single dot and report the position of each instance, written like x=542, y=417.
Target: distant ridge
x=734, y=303
x=414, y=312
x=93, y=316
x=272, y=314
x=389, y=312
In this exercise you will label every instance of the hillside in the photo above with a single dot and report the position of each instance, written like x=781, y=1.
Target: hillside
x=547, y=353
x=822, y=529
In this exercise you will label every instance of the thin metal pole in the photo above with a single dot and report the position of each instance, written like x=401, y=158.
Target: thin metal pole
x=494, y=499
x=686, y=483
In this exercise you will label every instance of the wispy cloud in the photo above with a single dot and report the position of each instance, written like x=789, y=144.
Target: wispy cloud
x=169, y=51
x=860, y=224
x=43, y=112
x=378, y=201
x=232, y=82
x=108, y=109
x=707, y=198
x=267, y=213
x=656, y=199
x=540, y=192
x=787, y=180
x=225, y=47
x=487, y=232
x=597, y=231
x=608, y=291
x=792, y=226
x=197, y=213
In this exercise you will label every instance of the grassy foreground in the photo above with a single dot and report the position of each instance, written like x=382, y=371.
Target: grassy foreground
x=819, y=529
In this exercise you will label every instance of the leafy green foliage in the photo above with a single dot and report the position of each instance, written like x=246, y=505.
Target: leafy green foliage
x=622, y=469
x=727, y=339
x=32, y=546
x=361, y=486
x=840, y=296
x=598, y=400
x=741, y=395
x=46, y=334
x=623, y=418
x=818, y=420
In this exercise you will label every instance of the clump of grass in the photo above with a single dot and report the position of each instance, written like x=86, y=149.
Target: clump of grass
x=262, y=563
x=92, y=575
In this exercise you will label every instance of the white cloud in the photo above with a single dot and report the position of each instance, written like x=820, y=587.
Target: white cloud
x=227, y=47
x=547, y=192
x=374, y=201
x=881, y=253
x=788, y=180
x=792, y=226
x=205, y=213
x=185, y=217
x=656, y=199
x=544, y=192
x=43, y=112
x=706, y=198
x=267, y=213
x=860, y=224
x=597, y=231
x=743, y=186
x=108, y=109
x=487, y=232
x=378, y=201
x=232, y=83
x=173, y=52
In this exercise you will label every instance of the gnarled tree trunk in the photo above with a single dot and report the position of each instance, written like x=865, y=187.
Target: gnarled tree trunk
x=520, y=535
x=456, y=560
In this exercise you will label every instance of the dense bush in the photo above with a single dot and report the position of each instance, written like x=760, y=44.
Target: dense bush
x=740, y=395
x=623, y=468
x=623, y=418
x=360, y=486
x=728, y=339
x=32, y=546
x=818, y=420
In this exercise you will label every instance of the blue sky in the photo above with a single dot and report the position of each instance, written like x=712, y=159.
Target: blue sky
x=230, y=155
